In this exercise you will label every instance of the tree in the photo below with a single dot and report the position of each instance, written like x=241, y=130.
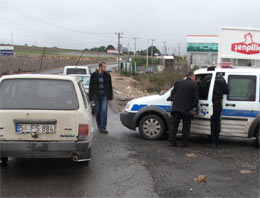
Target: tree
x=94, y=49
x=155, y=50
x=110, y=47
x=102, y=49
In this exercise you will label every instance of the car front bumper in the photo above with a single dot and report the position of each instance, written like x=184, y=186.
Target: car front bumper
x=27, y=149
x=127, y=119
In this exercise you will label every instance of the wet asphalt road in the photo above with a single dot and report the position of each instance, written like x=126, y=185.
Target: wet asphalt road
x=124, y=165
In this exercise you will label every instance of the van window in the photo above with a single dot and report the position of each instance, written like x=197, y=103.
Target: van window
x=203, y=81
x=38, y=94
x=76, y=71
x=242, y=88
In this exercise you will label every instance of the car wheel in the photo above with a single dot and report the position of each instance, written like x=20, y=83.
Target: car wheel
x=4, y=160
x=258, y=138
x=152, y=127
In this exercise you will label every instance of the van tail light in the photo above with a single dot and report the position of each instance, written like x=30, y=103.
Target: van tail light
x=83, y=129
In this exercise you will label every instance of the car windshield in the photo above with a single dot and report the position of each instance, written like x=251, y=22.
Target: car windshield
x=85, y=80
x=76, y=71
x=38, y=94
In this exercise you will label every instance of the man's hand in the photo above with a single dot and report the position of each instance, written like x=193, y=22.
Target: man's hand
x=192, y=113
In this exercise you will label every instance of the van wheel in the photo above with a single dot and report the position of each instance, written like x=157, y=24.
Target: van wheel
x=258, y=138
x=151, y=127
x=4, y=160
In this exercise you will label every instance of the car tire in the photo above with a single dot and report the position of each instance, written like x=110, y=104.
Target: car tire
x=4, y=160
x=258, y=137
x=93, y=110
x=152, y=127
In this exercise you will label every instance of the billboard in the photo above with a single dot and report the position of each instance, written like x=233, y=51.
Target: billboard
x=6, y=50
x=239, y=43
x=202, y=47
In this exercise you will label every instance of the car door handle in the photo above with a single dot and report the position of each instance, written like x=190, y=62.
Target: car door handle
x=204, y=105
x=231, y=105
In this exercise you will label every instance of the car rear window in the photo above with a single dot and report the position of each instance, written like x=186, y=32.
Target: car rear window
x=38, y=94
x=76, y=71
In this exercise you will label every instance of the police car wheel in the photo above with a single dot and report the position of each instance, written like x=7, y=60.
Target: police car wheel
x=151, y=127
x=258, y=138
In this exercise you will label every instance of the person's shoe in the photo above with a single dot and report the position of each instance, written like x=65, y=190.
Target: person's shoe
x=173, y=144
x=103, y=131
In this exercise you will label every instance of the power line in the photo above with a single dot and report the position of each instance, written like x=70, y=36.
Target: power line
x=19, y=12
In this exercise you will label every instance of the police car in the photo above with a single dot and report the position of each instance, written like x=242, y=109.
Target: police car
x=240, y=115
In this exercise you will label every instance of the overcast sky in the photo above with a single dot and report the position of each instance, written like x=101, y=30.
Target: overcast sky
x=87, y=23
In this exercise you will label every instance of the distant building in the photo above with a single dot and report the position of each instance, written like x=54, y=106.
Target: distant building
x=6, y=50
x=202, y=50
x=112, y=51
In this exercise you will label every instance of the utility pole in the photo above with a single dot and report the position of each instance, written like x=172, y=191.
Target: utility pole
x=135, y=38
x=179, y=48
x=128, y=49
x=165, y=48
x=42, y=57
x=80, y=56
x=152, y=50
x=12, y=38
x=118, y=55
x=147, y=53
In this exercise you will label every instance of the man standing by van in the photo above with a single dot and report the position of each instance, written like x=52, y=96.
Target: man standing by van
x=100, y=89
x=220, y=88
x=184, y=97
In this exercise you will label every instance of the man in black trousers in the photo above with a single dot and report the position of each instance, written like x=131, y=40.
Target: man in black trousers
x=184, y=97
x=220, y=88
x=101, y=91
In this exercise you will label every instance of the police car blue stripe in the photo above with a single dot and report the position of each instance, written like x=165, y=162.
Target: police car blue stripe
x=225, y=112
x=137, y=107
x=239, y=113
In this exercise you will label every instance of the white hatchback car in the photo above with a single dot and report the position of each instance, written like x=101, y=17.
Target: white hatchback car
x=44, y=116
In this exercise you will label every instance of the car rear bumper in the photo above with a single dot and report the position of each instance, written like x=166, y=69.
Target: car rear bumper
x=127, y=119
x=26, y=149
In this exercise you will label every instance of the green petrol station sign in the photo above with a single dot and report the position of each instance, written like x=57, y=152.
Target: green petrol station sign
x=202, y=47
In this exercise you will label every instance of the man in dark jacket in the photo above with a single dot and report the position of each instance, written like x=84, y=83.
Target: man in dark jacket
x=100, y=89
x=184, y=97
x=220, y=88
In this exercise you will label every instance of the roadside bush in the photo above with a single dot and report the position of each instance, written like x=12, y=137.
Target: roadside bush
x=157, y=82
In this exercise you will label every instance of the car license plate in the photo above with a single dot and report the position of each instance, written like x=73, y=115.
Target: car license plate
x=38, y=128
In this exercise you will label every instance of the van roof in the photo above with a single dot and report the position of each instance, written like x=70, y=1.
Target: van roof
x=231, y=70
x=76, y=66
x=37, y=76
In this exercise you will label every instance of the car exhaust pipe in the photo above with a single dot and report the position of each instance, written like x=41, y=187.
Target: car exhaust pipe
x=75, y=158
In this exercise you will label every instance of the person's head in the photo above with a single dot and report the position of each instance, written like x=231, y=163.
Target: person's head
x=102, y=66
x=191, y=75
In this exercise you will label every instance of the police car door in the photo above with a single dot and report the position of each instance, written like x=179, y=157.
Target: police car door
x=201, y=120
x=240, y=106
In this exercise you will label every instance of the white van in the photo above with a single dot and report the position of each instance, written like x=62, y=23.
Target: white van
x=44, y=116
x=79, y=70
x=240, y=115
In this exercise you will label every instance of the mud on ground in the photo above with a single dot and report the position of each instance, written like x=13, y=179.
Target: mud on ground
x=124, y=90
